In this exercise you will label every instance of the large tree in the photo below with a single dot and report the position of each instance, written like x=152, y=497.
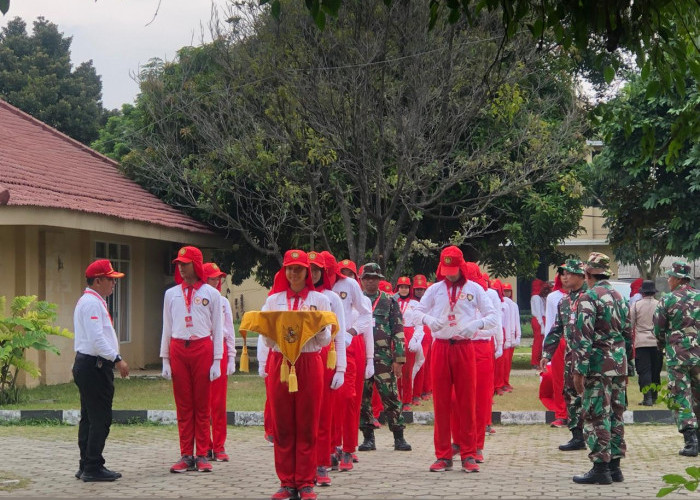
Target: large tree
x=37, y=76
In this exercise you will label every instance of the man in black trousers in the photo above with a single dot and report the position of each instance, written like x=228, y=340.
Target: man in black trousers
x=96, y=356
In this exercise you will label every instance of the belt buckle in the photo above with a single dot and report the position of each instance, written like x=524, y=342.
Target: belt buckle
x=452, y=341
x=187, y=343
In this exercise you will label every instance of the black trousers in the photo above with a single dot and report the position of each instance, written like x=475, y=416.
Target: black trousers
x=95, y=380
x=648, y=361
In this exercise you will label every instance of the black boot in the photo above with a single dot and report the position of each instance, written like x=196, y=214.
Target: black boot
x=400, y=443
x=654, y=396
x=576, y=442
x=615, y=471
x=599, y=474
x=648, y=399
x=691, y=443
x=368, y=443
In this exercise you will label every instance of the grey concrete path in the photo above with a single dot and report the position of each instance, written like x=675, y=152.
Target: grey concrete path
x=521, y=462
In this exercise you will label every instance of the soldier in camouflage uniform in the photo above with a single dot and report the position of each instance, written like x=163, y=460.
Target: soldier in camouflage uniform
x=602, y=345
x=676, y=322
x=572, y=276
x=389, y=357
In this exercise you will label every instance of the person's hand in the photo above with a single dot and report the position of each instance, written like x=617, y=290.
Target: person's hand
x=471, y=328
x=579, y=383
x=414, y=345
x=338, y=379
x=167, y=372
x=543, y=364
x=261, y=370
x=231, y=365
x=369, y=368
x=433, y=323
x=498, y=353
x=397, y=368
x=123, y=368
x=215, y=370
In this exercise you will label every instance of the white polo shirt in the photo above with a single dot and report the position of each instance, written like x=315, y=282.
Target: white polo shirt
x=94, y=332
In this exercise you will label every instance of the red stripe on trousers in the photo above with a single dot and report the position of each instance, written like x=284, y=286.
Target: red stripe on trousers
x=217, y=406
x=190, y=371
x=296, y=416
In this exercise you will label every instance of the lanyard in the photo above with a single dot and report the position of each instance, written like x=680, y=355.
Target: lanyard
x=298, y=302
x=187, y=295
x=104, y=304
x=403, y=304
x=374, y=306
x=455, y=295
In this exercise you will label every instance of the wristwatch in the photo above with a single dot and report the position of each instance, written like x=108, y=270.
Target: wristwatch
x=117, y=359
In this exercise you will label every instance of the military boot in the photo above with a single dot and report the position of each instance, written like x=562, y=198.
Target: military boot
x=599, y=474
x=576, y=442
x=368, y=443
x=691, y=443
x=400, y=443
x=615, y=471
x=648, y=399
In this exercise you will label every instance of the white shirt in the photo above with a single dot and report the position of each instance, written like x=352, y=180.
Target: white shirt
x=94, y=332
x=553, y=300
x=228, y=328
x=278, y=302
x=339, y=340
x=409, y=311
x=351, y=297
x=362, y=323
x=507, y=323
x=496, y=332
x=537, y=308
x=206, y=318
x=515, y=321
x=472, y=303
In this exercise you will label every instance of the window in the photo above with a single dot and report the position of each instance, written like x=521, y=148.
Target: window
x=118, y=303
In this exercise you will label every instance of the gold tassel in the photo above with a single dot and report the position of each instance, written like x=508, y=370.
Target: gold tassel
x=332, y=357
x=293, y=385
x=284, y=371
x=244, y=364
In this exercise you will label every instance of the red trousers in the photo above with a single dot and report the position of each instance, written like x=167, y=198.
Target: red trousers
x=296, y=418
x=508, y=354
x=377, y=405
x=499, y=376
x=537, y=340
x=454, y=370
x=422, y=383
x=217, y=407
x=483, y=354
x=267, y=415
x=349, y=400
x=405, y=383
x=328, y=397
x=557, y=369
x=190, y=361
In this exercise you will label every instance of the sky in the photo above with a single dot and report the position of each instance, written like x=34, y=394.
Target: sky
x=117, y=36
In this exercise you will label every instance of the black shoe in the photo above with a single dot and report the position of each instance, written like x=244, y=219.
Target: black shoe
x=615, y=471
x=368, y=444
x=648, y=400
x=98, y=475
x=400, y=443
x=79, y=474
x=691, y=443
x=599, y=474
x=575, y=443
x=116, y=474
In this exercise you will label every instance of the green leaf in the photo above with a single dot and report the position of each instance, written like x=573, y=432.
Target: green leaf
x=674, y=479
x=693, y=472
x=320, y=19
x=275, y=9
x=691, y=485
x=665, y=491
x=4, y=6
x=609, y=74
x=332, y=6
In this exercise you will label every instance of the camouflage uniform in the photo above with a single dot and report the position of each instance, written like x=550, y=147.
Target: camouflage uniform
x=676, y=323
x=602, y=344
x=564, y=326
x=388, y=349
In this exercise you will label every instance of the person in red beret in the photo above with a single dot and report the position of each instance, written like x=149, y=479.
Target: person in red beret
x=515, y=334
x=192, y=348
x=96, y=356
x=413, y=337
x=422, y=387
x=219, y=387
x=296, y=414
x=455, y=309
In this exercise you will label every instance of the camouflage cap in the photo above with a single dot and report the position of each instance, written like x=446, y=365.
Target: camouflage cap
x=679, y=269
x=372, y=269
x=598, y=263
x=574, y=266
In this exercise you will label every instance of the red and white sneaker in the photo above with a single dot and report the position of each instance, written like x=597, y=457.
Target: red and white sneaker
x=416, y=401
x=284, y=493
x=221, y=456
x=355, y=460
x=470, y=465
x=441, y=465
x=307, y=493
x=559, y=423
x=479, y=457
x=376, y=423
x=186, y=463
x=490, y=430
x=407, y=407
x=507, y=388
x=322, y=477
x=202, y=464
x=345, y=462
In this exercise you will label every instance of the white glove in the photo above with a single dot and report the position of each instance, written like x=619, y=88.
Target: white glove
x=471, y=328
x=517, y=342
x=167, y=371
x=414, y=345
x=338, y=379
x=231, y=366
x=215, y=370
x=499, y=353
x=369, y=369
x=433, y=323
x=261, y=370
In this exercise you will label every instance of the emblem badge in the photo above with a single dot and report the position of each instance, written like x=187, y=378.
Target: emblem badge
x=470, y=297
x=343, y=295
x=448, y=260
x=183, y=251
x=197, y=300
x=313, y=308
x=291, y=336
x=346, y=262
x=295, y=255
x=312, y=255
x=215, y=267
x=205, y=302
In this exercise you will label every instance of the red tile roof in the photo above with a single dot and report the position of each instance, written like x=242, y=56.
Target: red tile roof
x=41, y=167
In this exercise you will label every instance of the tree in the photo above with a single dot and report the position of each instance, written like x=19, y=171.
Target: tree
x=649, y=200
x=36, y=75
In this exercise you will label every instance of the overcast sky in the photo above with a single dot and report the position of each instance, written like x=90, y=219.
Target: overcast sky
x=113, y=33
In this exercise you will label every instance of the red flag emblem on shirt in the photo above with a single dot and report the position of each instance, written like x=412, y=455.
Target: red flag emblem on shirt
x=93, y=317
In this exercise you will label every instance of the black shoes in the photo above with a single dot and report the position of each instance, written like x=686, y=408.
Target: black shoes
x=599, y=474
x=368, y=444
x=99, y=475
x=106, y=471
x=691, y=443
x=400, y=443
x=575, y=443
x=615, y=471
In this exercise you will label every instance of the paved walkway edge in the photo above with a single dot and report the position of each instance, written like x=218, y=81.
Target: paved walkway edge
x=255, y=418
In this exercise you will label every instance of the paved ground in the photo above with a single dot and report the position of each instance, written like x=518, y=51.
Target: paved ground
x=521, y=462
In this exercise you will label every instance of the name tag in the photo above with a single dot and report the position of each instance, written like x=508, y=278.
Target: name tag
x=452, y=319
x=188, y=322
